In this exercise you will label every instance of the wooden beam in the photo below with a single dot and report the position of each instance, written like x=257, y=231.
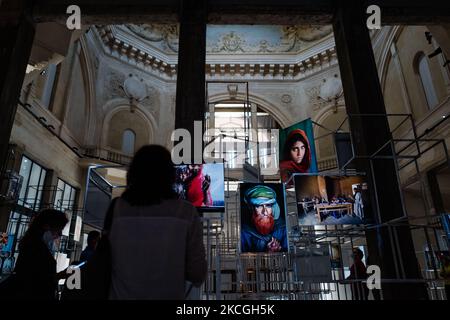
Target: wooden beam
x=109, y=12
x=239, y=11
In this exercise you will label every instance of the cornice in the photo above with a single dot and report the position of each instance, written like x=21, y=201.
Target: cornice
x=126, y=47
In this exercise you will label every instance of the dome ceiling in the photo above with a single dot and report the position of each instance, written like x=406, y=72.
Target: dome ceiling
x=238, y=39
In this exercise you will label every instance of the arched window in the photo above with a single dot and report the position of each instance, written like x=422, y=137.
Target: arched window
x=128, y=141
x=423, y=70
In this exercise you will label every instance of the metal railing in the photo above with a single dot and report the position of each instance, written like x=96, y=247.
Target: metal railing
x=107, y=154
x=327, y=164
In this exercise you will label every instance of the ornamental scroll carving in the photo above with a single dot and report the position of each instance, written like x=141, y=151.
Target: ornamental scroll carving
x=238, y=39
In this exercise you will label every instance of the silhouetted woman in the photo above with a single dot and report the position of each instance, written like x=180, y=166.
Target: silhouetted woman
x=35, y=269
x=358, y=271
x=296, y=155
x=156, y=239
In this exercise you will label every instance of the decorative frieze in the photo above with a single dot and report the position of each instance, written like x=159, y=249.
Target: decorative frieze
x=157, y=63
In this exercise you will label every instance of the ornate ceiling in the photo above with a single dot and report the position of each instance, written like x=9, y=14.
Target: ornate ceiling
x=238, y=39
x=246, y=51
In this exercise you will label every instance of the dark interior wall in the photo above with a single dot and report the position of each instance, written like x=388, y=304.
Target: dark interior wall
x=325, y=187
x=337, y=186
x=97, y=203
x=307, y=186
x=322, y=188
x=345, y=185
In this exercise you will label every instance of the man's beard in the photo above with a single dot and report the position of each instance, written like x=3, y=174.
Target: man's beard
x=263, y=224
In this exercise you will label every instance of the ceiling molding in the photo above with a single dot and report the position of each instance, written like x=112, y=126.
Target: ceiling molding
x=131, y=50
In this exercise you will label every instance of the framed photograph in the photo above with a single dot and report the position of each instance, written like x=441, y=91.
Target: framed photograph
x=297, y=150
x=263, y=218
x=201, y=184
x=332, y=199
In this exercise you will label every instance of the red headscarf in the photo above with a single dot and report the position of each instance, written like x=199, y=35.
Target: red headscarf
x=287, y=166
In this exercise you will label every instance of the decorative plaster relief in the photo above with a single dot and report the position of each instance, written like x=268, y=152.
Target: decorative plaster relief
x=230, y=42
x=286, y=98
x=270, y=42
x=313, y=94
x=167, y=34
x=327, y=92
x=238, y=38
x=307, y=33
x=142, y=94
x=290, y=39
x=135, y=88
x=113, y=85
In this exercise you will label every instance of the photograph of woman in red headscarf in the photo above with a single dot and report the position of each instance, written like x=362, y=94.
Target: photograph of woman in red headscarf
x=296, y=155
x=297, y=152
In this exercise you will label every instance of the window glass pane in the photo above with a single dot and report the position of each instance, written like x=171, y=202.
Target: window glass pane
x=427, y=82
x=72, y=197
x=128, y=141
x=25, y=168
x=33, y=185
x=59, y=193
x=66, y=198
x=41, y=185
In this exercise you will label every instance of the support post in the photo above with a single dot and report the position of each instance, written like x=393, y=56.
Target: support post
x=393, y=250
x=190, y=96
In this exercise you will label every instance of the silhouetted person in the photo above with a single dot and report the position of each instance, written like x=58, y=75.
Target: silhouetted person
x=358, y=205
x=35, y=269
x=358, y=271
x=92, y=241
x=156, y=240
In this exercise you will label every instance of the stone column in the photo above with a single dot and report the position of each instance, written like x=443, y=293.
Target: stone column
x=389, y=247
x=15, y=47
x=190, y=98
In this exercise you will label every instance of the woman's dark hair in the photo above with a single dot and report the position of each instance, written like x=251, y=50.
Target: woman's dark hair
x=150, y=177
x=54, y=219
x=92, y=236
x=290, y=142
x=357, y=251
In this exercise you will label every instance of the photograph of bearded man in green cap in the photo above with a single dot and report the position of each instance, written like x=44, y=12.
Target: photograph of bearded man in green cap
x=263, y=227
